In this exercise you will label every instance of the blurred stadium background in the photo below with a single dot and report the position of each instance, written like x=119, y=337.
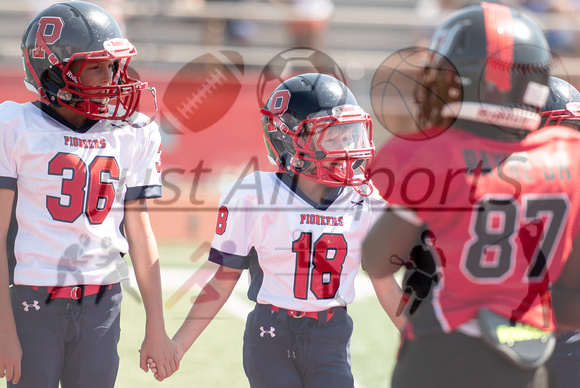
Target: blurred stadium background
x=357, y=35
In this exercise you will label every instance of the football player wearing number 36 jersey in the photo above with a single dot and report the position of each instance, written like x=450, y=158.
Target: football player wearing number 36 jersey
x=76, y=168
x=299, y=233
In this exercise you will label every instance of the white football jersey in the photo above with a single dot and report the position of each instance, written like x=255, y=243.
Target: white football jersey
x=71, y=189
x=300, y=255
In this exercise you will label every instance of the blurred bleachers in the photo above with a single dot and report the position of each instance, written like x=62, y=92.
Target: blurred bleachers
x=169, y=33
x=360, y=35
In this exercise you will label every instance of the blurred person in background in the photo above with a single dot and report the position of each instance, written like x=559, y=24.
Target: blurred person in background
x=308, y=21
x=563, y=108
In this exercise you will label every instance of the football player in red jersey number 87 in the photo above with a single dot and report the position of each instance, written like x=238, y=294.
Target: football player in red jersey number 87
x=76, y=168
x=299, y=233
x=501, y=197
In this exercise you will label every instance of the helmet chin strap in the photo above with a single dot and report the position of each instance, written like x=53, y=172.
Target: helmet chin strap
x=336, y=173
x=340, y=172
x=98, y=108
x=145, y=123
x=359, y=189
x=93, y=107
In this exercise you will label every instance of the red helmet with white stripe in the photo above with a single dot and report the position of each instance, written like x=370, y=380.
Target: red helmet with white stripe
x=82, y=32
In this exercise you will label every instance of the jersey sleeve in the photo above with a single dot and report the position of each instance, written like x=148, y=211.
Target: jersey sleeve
x=8, y=165
x=232, y=245
x=145, y=179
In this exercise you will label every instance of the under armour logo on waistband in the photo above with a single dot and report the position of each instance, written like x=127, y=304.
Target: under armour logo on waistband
x=27, y=306
x=271, y=331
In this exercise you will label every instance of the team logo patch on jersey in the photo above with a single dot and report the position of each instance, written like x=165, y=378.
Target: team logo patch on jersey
x=28, y=306
x=271, y=332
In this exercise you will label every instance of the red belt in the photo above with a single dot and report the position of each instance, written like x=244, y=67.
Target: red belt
x=307, y=314
x=73, y=292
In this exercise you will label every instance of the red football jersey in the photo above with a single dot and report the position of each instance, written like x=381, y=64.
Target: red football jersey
x=503, y=215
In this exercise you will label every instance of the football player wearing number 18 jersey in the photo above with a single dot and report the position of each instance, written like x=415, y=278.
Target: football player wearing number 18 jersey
x=76, y=168
x=299, y=233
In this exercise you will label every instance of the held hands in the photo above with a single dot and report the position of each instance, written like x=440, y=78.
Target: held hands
x=156, y=368
x=10, y=357
x=165, y=354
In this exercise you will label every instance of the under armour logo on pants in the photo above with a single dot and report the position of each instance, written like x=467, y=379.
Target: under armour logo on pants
x=271, y=331
x=27, y=306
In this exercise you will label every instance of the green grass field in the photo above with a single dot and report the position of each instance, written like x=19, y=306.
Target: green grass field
x=215, y=360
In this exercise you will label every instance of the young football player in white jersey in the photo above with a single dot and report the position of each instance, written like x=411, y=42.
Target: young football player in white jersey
x=299, y=233
x=76, y=168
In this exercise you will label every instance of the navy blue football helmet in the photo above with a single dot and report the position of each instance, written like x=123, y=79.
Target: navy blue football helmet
x=563, y=106
x=80, y=31
x=313, y=126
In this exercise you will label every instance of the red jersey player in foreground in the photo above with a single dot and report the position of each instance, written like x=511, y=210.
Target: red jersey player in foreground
x=78, y=172
x=299, y=233
x=501, y=198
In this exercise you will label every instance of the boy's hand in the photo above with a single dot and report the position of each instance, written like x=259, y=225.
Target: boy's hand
x=153, y=365
x=10, y=357
x=159, y=356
